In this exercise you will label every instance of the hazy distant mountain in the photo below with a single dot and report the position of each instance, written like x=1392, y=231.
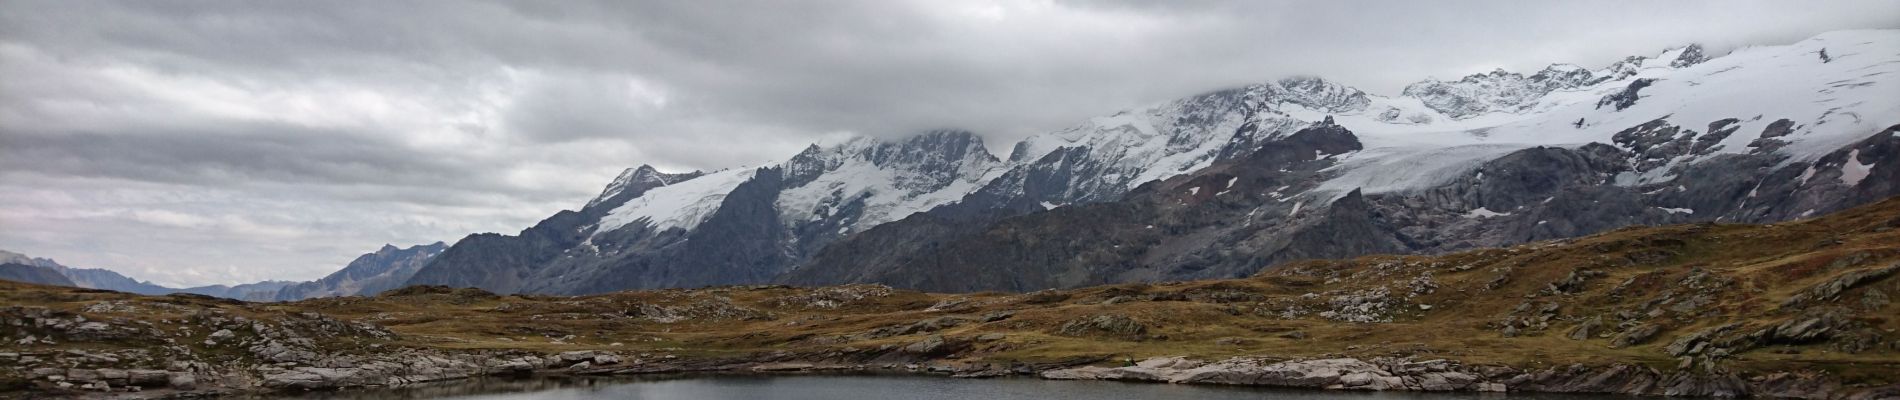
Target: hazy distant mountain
x=18, y=272
x=370, y=274
x=92, y=278
x=260, y=291
x=387, y=268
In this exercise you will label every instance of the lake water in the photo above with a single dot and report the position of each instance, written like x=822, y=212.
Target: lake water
x=832, y=387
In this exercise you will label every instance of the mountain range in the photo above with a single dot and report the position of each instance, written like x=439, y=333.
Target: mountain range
x=387, y=268
x=1226, y=183
x=1229, y=182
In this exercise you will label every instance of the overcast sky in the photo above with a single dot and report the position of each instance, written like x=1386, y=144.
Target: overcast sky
x=221, y=142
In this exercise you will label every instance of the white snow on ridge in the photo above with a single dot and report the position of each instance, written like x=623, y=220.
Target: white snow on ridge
x=889, y=193
x=1156, y=142
x=1394, y=169
x=682, y=205
x=911, y=180
x=1482, y=212
x=1833, y=104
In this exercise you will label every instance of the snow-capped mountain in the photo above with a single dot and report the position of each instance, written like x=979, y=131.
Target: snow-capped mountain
x=733, y=226
x=1763, y=134
x=1217, y=184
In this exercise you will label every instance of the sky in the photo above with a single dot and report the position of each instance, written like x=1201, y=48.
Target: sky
x=201, y=142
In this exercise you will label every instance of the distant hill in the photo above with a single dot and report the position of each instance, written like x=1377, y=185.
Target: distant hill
x=369, y=274
x=33, y=274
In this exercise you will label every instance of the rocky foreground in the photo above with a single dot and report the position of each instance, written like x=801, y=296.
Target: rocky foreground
x=1793, y=310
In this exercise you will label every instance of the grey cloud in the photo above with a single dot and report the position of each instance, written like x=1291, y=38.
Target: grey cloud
x=272, y=153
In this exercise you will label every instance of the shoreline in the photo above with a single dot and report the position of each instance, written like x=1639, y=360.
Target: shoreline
x=1350, y=374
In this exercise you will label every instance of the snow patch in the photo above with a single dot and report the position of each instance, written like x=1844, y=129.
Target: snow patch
x=1852, y=171
x=683, y=205
x=1482, y=212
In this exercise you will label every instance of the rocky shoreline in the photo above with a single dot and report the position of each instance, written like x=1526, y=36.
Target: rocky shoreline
x=413, y=366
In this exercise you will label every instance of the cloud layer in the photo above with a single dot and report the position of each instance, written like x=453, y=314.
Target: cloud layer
x=220, y=142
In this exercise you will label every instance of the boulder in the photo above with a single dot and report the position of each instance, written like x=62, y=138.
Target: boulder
x=572, y=357
x=181, y=380
x=606, y=359
x=1585, y=329
x=147, y=377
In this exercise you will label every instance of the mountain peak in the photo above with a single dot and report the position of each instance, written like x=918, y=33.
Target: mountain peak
x=1685, y=56
x=935, y=144
x=1324, y=95
x=642, y=177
